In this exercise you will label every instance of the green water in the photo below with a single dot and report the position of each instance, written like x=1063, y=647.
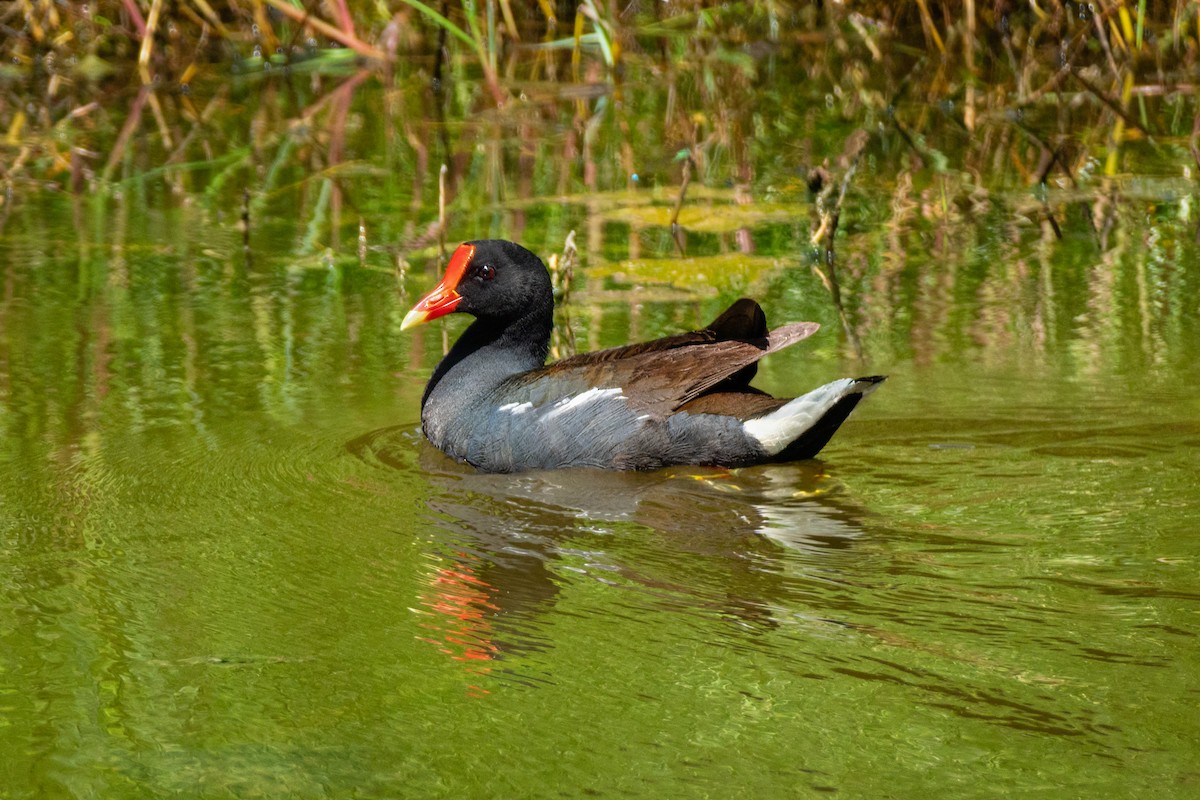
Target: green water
x=231, y=567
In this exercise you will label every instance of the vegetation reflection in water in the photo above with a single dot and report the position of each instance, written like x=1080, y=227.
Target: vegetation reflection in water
x=230, y=566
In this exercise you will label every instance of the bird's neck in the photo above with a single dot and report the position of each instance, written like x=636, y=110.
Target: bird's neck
x=492, y=350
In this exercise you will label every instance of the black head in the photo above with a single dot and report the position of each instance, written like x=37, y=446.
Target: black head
x=490, y=279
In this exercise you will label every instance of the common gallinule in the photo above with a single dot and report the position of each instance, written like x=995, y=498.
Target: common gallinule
x=683, y=399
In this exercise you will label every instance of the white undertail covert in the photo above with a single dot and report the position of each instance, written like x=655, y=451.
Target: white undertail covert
x=784, y=425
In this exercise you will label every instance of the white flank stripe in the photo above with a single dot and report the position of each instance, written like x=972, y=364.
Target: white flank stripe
x=516, y=408
x=583, y=398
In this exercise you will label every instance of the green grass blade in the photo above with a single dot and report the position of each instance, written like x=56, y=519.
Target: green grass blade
x=442, y=22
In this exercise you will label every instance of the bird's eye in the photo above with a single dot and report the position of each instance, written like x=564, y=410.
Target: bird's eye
x=487, y=272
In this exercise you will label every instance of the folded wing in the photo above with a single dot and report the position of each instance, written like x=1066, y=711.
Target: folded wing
x=659, y=377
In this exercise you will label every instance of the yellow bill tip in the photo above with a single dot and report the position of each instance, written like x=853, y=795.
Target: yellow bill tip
x=412, y=319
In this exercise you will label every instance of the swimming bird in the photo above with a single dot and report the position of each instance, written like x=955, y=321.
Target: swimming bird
x=493, y=402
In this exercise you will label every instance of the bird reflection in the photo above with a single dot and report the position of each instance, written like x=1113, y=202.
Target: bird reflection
x=458, y=606
x=728, y=543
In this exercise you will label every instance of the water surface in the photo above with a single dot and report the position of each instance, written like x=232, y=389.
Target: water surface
x=231, y=567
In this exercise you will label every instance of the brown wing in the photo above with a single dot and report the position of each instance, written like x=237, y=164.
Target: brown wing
x=743, y=320
x=744, y=404
x=661, y=382
x=660, y=376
